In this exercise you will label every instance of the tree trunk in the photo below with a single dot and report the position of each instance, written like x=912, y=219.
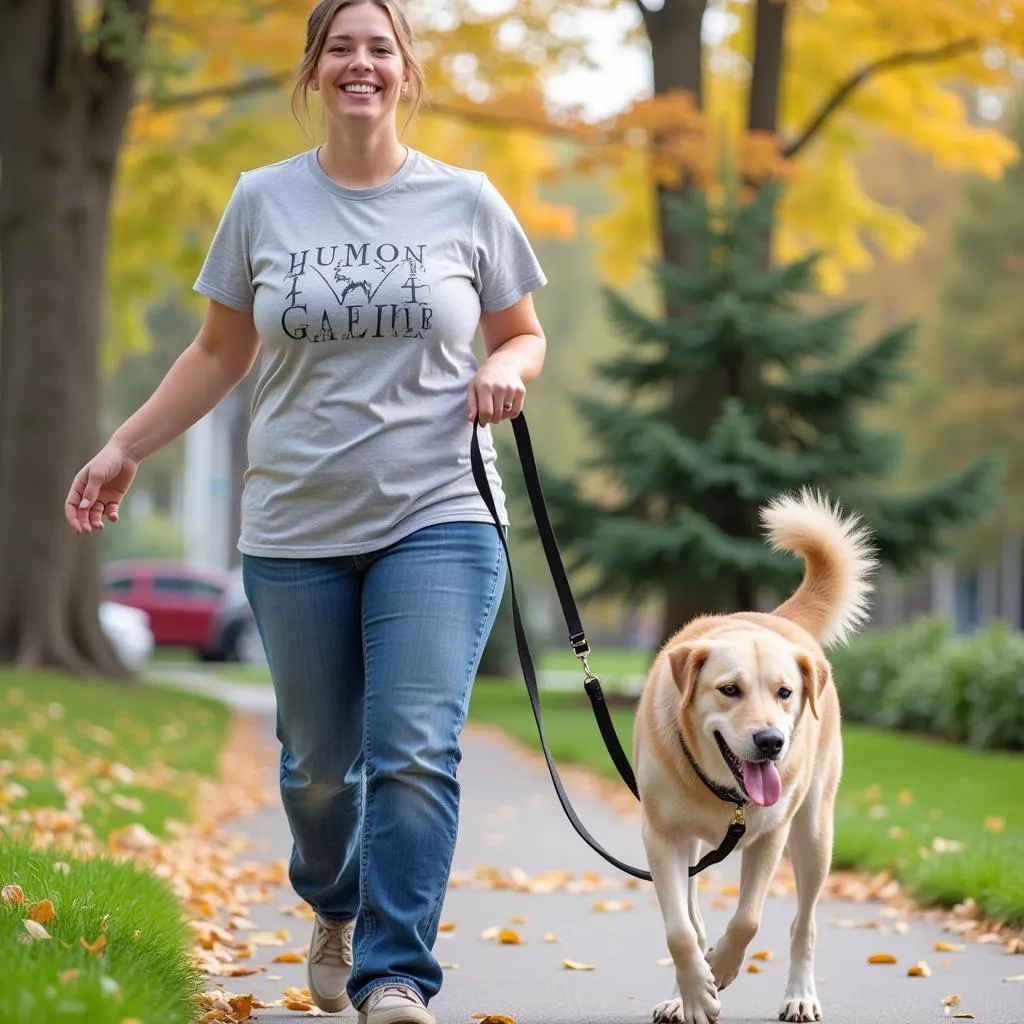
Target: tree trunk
x=677, y=56
x=60, y=130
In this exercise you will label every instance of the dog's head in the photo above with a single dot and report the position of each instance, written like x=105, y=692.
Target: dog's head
x=741, y=695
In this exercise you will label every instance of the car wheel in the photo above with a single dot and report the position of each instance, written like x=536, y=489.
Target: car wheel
x=248, y=647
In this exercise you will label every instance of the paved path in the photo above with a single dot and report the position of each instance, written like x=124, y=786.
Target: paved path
x=511, y=820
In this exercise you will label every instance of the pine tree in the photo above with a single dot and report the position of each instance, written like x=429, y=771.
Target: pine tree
x=716, y=412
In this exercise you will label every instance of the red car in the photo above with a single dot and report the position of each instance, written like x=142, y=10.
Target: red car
x=182, y=600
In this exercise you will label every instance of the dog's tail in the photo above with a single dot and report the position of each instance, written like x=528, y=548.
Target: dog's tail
x=832, y=600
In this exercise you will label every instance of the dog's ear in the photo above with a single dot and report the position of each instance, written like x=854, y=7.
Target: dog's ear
x=817, y=674
x=685, y=663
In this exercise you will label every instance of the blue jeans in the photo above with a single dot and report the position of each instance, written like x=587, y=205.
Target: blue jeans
x=373, y=657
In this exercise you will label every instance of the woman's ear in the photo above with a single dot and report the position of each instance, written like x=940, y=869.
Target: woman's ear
x=817, y=674
x=685, y=663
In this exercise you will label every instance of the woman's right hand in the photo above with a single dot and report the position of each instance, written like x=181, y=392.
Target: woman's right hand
x=99, y=488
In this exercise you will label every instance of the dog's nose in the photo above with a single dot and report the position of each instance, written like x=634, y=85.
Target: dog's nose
x=769, y=742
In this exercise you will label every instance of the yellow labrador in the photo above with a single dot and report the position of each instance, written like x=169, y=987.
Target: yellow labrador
x=741, y=709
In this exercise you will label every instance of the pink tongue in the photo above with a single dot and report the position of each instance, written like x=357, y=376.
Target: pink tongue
x=762, y=782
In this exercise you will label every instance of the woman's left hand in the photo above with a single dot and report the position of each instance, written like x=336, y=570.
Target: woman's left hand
x=497, y=392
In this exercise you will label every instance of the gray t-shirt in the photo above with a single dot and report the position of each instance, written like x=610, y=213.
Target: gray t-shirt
x=367, y=303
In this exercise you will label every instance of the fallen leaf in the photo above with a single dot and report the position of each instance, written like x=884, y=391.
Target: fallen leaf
x=574, y=965
x=508, y=937
x=446, y=927
x=905, y=798
x=94, y=948
x=753, y=968
x=551, y=937
x=293, y=956
x=490, y=934
x=665, y=961
x=450, y=967
x=919, y=970
x=901, y=927
x=12, y=895
x=951, y=1001
x=1015, y=977
x=963, y=1016
x=763, y=954
x=947, y=947
x=42, y=912
x=36, y=930
x=1015, y=945
x=68, y=977
x=881, y=958
x=493, y=1018
x=995, y=825
x=519, y=919
x=612, y=906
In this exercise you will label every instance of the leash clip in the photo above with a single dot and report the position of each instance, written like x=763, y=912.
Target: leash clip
x=740, y=817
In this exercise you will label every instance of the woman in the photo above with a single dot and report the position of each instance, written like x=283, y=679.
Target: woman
x=360, y=271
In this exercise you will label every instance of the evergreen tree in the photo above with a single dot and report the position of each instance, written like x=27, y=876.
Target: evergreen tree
x=719, y=410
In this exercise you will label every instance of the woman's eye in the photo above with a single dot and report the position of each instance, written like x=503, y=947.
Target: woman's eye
x=731, y=690
x=785, y=694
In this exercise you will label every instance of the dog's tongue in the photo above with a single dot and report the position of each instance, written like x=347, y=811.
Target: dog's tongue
x=762, y=782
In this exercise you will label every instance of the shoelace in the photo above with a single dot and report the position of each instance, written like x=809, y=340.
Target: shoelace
x=333, y=943
x=393, y=990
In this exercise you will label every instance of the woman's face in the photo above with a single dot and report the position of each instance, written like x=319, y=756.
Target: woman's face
x=361, y=75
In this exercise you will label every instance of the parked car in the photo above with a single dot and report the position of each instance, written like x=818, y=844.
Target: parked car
x=181, y=600
x=235, y=636
x=128, y=631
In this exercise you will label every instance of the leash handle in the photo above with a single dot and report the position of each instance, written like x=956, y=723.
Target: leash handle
x=577, y=636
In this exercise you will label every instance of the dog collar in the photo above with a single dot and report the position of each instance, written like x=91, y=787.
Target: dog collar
x=725, y=793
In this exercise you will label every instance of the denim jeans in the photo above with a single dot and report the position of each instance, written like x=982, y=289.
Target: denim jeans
x=373, y=657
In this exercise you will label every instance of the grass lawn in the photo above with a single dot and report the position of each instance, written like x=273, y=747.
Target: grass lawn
x=121, y=754
x=136, y=966
x=73, y=754
x=903, y=799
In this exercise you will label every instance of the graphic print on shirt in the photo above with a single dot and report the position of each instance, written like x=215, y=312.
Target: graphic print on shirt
x=347, y=292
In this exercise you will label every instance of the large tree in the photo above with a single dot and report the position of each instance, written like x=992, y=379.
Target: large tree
x=66, y=95
x=739, y=397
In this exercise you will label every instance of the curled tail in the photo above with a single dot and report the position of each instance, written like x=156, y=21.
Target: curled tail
x=832, y=599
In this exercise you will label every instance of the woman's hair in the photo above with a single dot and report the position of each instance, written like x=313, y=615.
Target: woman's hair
x=317, y=27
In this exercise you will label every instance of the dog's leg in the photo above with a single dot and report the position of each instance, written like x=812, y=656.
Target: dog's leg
x=810, y=849
x=760, y=859
x=695, y=1000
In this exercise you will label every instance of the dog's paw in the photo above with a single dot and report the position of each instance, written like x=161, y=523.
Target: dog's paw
x=725, y=962
x=800, y=1008
x=698, y=1003
x=680, y=1011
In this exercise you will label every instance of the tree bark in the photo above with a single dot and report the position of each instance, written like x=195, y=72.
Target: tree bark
x=60, y=131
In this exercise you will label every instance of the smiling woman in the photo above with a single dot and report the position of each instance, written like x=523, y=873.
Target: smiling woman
x=361, y=273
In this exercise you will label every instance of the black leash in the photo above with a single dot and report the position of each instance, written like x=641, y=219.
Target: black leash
x=580, y=647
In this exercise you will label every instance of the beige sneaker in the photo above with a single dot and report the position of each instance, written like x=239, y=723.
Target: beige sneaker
x=394, y=1004
x=330, y=963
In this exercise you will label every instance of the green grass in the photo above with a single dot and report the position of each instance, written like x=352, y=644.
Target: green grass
x=949, y=793
x=126, y=754
x=122, y=755
x=143, y=972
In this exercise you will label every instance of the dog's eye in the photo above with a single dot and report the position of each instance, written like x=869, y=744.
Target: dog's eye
x=785, y=694
x=729, y=690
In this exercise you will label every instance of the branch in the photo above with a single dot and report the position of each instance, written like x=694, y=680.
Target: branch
x=895, y=60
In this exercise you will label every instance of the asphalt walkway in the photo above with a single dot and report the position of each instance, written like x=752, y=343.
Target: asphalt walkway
x=520, y=866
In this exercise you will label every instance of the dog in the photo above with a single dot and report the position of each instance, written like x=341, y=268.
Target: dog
x=747, y=700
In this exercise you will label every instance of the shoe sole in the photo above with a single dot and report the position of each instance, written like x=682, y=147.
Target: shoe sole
x=399, y=1015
